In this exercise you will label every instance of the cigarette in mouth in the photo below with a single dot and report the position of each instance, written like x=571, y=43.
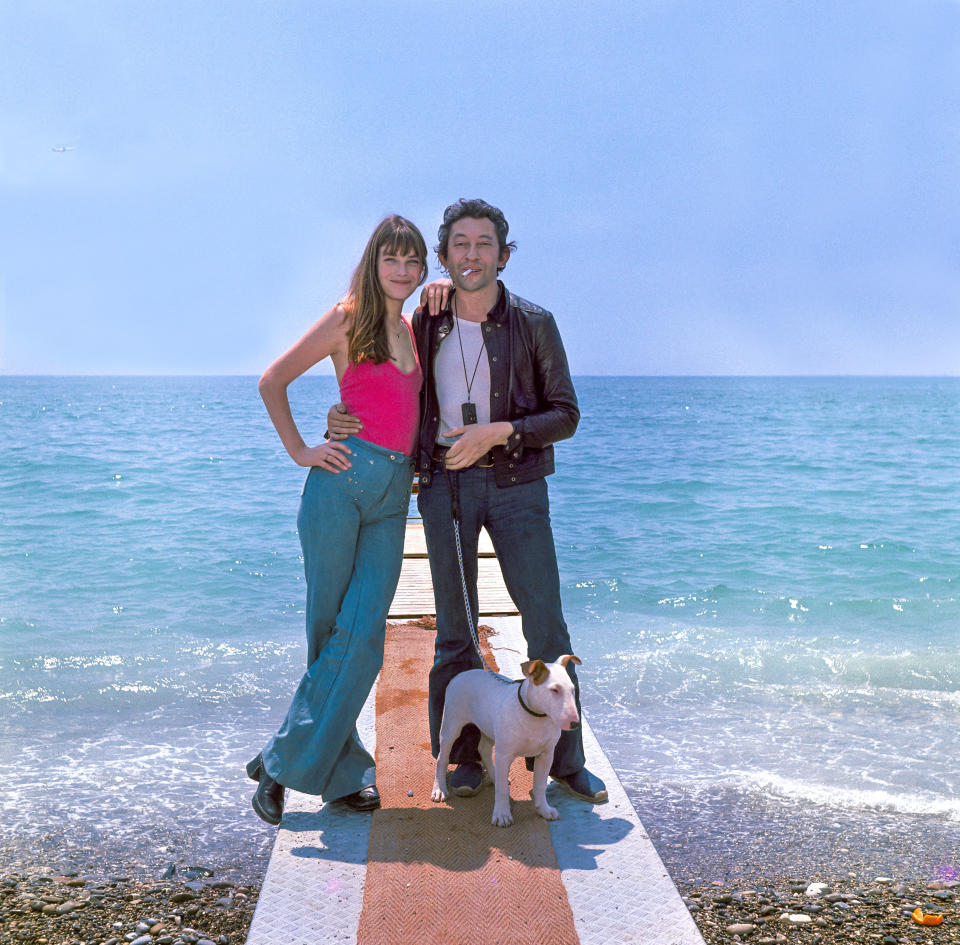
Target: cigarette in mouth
x=467, y=272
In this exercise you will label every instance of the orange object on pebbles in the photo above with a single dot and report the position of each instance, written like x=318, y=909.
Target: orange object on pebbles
x=923, y=918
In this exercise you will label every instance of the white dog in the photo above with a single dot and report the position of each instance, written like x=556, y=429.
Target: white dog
x=521, y=719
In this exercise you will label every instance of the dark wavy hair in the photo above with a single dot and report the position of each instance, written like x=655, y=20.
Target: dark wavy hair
x=476, y=210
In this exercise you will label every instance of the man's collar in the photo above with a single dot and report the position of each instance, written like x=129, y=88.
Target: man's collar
x=499, y=311
x=497, y=314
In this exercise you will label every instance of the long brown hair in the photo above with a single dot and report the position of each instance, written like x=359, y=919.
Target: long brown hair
x=367, y=334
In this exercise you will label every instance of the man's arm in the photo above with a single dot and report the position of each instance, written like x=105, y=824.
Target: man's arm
x=560, y=413
x=475, y=440
x=557, y=420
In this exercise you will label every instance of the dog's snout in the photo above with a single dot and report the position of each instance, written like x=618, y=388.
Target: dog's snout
x=574, y=726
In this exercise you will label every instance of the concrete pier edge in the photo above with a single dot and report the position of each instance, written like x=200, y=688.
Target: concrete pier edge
x=617, y=885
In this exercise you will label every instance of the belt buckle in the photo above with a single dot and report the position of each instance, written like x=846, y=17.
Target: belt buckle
x=488, y=465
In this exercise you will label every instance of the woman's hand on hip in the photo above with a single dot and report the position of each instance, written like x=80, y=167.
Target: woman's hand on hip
x=329, y=456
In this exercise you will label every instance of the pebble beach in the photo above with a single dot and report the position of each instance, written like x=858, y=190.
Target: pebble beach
x=881, y=911
x=748, y=871
x=40, y=907
x=198, y=907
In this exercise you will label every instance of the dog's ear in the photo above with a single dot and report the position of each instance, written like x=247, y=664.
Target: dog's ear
x=569, y=658
x=535, y=670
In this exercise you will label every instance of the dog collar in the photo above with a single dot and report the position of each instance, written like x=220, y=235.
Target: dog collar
x=539, y=715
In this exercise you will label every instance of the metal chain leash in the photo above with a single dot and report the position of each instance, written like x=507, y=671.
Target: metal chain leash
x=453, y=485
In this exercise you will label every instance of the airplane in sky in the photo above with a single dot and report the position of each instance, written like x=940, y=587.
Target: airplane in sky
x=61, y=148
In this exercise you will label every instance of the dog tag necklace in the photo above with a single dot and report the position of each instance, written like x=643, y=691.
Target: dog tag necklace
x=468, y=410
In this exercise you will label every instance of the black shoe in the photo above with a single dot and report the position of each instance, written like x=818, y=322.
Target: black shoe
x=466, y=780
x=268, y=799
x=254, y=768
x=367, y=798
x=584, y=785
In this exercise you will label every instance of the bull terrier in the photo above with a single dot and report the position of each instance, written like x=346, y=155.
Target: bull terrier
x=521, y=717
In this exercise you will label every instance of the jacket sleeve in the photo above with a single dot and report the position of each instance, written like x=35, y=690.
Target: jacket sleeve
x=558, y=413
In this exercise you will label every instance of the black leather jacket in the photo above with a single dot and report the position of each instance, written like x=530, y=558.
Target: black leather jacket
x=530, y=386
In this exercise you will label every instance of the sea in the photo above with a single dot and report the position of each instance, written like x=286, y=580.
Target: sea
x=760, y=575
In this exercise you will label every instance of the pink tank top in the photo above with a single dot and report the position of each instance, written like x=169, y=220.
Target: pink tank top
x=386, y=400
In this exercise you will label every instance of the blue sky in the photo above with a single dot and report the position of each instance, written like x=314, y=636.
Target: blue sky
x=695, y=187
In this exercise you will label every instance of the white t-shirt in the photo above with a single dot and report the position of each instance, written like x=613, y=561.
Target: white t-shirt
x=452, y=371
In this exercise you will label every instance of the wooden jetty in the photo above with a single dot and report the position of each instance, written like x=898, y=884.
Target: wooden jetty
x=414, y=597
x=420, y=873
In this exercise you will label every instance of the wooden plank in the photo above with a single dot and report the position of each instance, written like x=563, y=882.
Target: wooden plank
x=415, y=543
x=414, y=597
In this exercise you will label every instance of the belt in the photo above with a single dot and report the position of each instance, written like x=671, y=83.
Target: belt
x=440, y=453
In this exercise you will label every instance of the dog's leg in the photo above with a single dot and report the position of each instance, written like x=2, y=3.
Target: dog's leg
x=541, y=766
x=447, y=737
x=486, y=753
x=502, y=817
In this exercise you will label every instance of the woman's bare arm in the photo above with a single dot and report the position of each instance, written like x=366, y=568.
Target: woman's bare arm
x=327, y=338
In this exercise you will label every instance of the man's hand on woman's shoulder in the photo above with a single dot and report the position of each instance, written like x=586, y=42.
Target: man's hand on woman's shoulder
x=435, y=295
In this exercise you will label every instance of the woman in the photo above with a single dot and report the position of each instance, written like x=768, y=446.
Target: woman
x=351, y=522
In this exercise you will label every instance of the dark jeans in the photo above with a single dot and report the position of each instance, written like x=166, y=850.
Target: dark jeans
x=517, y=518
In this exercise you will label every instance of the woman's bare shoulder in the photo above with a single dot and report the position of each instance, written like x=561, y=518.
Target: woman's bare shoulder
x=338, y=316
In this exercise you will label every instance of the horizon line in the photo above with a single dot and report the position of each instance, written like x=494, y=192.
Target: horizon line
x=798, y=376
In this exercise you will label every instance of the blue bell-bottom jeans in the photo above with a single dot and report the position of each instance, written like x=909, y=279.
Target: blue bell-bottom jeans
x=351, y=527
x=517, y=518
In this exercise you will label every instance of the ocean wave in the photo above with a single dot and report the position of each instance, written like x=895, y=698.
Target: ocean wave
x=835, y=796
x=714, y=658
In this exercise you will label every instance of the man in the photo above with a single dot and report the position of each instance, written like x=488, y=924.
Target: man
x=497, y=394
